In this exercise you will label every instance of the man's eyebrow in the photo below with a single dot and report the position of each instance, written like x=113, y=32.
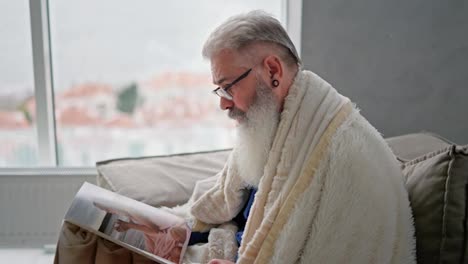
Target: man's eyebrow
x=220, y=81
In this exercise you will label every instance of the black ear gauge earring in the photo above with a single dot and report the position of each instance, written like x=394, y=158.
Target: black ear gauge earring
x=275, y=83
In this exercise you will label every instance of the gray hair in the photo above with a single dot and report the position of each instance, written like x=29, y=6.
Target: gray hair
x=240, y=31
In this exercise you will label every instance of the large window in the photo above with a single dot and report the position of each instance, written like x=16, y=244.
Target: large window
x=128, y=79
x=18, y=141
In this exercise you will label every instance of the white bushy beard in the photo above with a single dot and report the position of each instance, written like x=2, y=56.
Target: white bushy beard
x=255, y=134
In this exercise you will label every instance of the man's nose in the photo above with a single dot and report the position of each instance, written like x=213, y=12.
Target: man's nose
x=225, y=103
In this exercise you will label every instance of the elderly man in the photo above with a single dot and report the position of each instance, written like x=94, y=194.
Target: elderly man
x=309, y=179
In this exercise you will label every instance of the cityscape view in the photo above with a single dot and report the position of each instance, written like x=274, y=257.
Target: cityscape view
x=170, y=113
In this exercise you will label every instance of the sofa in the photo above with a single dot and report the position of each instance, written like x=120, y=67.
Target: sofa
x=435, y=172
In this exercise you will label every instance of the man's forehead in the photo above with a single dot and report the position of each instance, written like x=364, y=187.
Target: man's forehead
x=218, y=75
x=223, y=65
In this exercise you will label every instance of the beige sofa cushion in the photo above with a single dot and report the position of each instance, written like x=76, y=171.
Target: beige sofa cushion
x=160, y=180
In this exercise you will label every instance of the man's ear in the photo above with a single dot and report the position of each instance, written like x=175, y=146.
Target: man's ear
x=274, y=67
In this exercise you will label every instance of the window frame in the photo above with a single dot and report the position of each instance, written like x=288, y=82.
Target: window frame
x=43, y=84
x=44, y=90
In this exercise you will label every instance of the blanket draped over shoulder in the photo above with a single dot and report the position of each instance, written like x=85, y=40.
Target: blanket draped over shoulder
x=331, y=191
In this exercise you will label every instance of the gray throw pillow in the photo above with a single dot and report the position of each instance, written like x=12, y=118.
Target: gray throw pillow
x=438, y=185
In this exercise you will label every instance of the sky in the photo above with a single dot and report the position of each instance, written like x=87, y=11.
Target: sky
x=114, y=41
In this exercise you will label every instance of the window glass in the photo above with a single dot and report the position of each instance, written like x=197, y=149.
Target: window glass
x=129, y=78
x=18, y=139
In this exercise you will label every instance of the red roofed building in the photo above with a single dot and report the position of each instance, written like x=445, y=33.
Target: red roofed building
x=87, y=90
x=74, y=116
x=12, y=120
x=121, y=121
x=85, y=104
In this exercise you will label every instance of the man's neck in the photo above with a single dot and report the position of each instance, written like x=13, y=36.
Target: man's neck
x=291, y=77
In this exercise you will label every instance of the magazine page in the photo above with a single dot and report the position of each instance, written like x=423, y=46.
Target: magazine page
x=149, y=231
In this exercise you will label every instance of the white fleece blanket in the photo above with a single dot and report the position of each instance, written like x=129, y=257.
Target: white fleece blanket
x=331, y=192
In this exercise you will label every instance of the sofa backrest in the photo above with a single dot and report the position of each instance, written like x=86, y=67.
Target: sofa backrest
x=435, y=172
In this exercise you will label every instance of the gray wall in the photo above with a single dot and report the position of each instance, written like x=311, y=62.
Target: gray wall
x=404, y=62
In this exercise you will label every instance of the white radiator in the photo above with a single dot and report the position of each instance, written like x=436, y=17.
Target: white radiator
x=32, y=204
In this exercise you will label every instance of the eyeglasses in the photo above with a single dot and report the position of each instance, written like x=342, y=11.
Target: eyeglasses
x=224, y=91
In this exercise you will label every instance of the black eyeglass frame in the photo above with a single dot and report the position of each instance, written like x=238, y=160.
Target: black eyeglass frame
x=224, y=92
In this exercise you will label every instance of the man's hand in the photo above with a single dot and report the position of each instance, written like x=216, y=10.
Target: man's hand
x=220, y=261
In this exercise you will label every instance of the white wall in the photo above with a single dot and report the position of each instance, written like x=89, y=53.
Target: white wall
x=32, y=206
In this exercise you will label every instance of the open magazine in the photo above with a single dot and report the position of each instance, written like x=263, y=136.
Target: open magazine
x=149, y=231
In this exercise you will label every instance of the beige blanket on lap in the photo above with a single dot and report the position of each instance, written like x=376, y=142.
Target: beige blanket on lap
x=331, y=191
